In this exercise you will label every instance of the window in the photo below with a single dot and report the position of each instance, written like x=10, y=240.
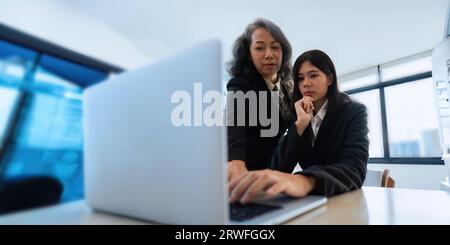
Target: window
x=48, y=134
x=8, y=98
x=402, y=110
x=416, y=132
x=14, y=61
x=41, y=110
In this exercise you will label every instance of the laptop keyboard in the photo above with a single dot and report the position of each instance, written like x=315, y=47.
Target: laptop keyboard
x=239, y=212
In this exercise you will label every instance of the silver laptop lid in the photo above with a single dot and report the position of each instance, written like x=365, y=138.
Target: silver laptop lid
x=137, y=163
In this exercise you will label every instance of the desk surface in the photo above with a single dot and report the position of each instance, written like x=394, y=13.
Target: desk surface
x=370, y=205
x=445, y=186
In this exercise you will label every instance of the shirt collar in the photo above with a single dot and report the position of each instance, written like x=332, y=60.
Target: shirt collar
x=323, y=110
x=270, y=85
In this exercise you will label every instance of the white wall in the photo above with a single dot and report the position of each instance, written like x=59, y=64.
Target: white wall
x=52, y=21
x=356, y=34
x=414, y=176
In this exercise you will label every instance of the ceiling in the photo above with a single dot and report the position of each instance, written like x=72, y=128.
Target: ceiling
x=356, y=34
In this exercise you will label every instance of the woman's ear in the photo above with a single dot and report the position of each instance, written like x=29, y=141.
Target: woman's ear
x=330, y=79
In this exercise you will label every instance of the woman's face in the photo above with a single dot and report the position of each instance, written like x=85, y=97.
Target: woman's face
x=266, y=53
x=313, y=82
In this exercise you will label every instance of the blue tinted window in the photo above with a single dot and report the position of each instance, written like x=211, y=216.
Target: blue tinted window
x=14, y=62
x=77, y=74
x=10, y=50
x=48, y=137
x=48, y=141
x=8, y=100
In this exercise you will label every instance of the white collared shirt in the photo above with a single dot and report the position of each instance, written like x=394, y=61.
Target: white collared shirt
x=276, y=93
x=270, y=85
x=316, y=121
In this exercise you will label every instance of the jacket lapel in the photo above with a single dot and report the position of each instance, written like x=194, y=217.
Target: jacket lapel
x=261, y=84
x=324, y=130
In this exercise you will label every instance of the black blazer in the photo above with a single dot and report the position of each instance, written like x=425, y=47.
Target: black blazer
x=245, y=142
x=338, y=160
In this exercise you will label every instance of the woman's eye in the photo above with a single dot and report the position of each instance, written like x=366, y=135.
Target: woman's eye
x=259, y=48
x=300, y=79
x=314, y=75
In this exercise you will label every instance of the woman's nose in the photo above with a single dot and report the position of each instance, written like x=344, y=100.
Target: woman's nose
x=306, y=82
x=269, y=54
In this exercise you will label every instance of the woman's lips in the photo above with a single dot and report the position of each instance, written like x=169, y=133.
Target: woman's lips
x=270, y=66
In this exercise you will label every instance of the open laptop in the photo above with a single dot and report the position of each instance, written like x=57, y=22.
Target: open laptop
x=138, y=163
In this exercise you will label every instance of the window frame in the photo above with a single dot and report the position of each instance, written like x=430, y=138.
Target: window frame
x=42, y=48
x=381, y=85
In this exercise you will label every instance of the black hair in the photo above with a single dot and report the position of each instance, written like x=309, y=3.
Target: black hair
x=324, y=63
x=242, y=66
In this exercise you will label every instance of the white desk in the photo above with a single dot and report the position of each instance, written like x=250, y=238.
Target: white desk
x=371, y=205
x=72, y=213
x=445, y=186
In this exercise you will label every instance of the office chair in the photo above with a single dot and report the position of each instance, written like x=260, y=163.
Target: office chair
x=29, y=192
x=379, y=179
x=386, y=180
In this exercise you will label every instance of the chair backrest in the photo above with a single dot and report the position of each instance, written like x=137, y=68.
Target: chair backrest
x=379, y=179
x=386, y=180
x=26, y=192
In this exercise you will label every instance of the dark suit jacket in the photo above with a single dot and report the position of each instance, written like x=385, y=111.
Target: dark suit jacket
x=338, y=160
x=245, y=142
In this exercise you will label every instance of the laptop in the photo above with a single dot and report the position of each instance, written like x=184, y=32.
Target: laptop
x=140, y=162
